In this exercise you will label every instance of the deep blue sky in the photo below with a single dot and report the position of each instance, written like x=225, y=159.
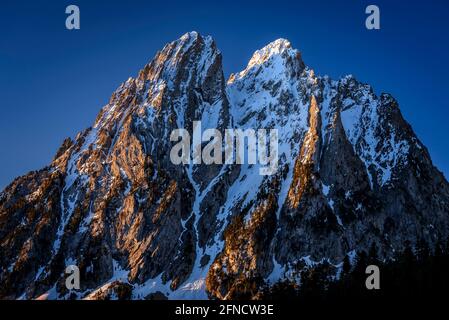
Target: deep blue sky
x=53, y=82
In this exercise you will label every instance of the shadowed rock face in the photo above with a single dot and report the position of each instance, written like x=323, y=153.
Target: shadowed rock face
x=351, y=173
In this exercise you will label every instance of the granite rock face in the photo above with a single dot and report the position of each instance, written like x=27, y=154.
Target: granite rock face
x=351, y=173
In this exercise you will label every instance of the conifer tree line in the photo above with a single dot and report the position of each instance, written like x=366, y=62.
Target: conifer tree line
x=418, y=272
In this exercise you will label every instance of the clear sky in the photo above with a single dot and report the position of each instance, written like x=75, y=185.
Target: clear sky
x=53, y=82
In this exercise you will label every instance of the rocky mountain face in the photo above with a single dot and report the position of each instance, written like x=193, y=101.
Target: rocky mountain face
x=351, y=173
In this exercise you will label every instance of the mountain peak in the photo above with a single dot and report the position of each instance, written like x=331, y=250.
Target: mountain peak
x=187, y=41
x=191, y=51
x=279, y=44
x=190, y=37
x=191, y=34
x=279, y=55
x=275, y=48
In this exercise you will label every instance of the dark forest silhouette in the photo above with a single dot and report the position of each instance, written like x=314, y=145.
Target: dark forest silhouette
x=415, y=274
